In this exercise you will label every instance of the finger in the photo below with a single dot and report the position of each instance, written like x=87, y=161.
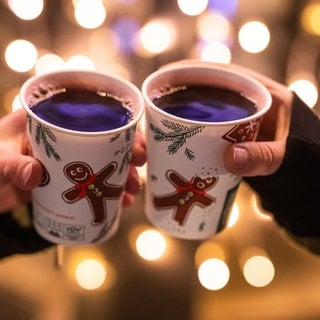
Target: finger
x=254, y=158
x=23, y=172
x=128, y=199
x=139, y=151
x=133, y=181
x=132, y=187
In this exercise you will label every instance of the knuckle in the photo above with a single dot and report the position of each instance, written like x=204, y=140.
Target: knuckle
x=268, y=157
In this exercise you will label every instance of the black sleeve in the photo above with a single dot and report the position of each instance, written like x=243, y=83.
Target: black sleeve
x=17, y=239
x=292, y=194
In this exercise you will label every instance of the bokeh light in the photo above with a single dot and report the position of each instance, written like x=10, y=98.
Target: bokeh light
x=80, y=62
x=258, y=271
x=90, y=14
x=49, y=62
x=233, y=216
x=209, y=249
x=26, y=10
x=11, y=100
x=156, y=36
x=254, y=36
x=151, y=245
x=258, y=209
x=306, y=90
x=192, y=7
x=213, y=27
x=90, y=274
x=16, y=103
x=21, y=55
x=213, y=274
x=310, y=18
x=216, y=52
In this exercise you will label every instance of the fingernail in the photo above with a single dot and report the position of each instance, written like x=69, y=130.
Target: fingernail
x=240, y=157
x=26, y=173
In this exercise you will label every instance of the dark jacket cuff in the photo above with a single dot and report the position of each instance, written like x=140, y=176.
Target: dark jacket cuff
x=292, y=193
x=16, y=239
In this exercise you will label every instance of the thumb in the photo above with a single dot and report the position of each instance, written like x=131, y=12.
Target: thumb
x=24, y=172
x=254, y=158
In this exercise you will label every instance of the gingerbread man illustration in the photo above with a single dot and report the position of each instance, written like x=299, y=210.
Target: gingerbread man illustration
x=91, y=186
x=186, y=195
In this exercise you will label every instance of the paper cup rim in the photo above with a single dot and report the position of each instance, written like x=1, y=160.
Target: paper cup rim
x=202, y=65
x=123, y=81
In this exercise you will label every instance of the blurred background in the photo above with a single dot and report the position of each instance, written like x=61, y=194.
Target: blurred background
x=251, y=270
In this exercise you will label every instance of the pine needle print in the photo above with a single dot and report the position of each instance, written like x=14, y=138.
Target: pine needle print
x=129, y=133
x=43, y=135
x=189, y=154
x=29, y=121
x=115, y=137
x=177, y=135
x=125, y=161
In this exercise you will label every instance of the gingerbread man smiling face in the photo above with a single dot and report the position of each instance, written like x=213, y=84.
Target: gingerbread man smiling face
x=91, y=186
x=78, y=172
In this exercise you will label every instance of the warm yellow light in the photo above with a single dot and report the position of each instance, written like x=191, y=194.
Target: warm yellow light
x=213, y=27
x=90, y=274
x=192, y=7
x=209, y=249
x=156, y=37
x=16, y=104
x=216, y=52
x=90, y=14
x=260, y=211
x=151, y=245
x=310, y=18
x=306, y=90
x=234, y=216
x=258, y=271
x=11, y=100
x=254, y=36
x=213, y=274
x=21, y=55
x=26, y=10
x=49, y=62
x=80, y=62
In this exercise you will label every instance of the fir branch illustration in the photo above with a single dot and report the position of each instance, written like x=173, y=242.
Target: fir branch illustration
x=125, y=161
x=29, y=121
x=115, y=137
x=177, y=135
x=129, y=133
x=43, y=135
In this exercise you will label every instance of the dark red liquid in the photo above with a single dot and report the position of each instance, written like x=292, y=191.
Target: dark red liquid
x=205, y=103
x=83, y=111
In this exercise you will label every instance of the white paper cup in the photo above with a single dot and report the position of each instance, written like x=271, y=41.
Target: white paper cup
x=79, y=199
x=188, y=191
